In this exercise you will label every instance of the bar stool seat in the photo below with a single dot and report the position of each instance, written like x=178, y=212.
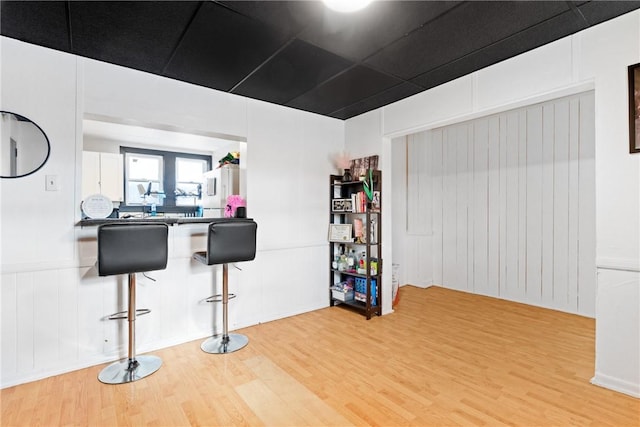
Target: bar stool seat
x=130, y=249
x=229, y=240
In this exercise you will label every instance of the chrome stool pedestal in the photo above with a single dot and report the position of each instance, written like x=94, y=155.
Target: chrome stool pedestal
x=225, y=343
x=132, y=368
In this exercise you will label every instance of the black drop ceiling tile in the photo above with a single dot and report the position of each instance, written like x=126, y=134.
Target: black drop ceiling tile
x=600, y=11
x=288, y=17
x=358, y=35
x=293, y=71
x=353, y=85
x=536, y=36
x=386, y=97
x=43, y=23
x=221, y=47
x=463, y=30
x=140, y=35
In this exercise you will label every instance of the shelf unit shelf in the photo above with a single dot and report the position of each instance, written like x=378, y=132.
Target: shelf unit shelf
x=359, y=305
x=353, y=273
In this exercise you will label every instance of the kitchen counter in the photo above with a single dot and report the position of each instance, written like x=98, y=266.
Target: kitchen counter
x=166, y=220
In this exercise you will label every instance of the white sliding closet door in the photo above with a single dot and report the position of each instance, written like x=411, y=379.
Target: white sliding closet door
x=512, y=204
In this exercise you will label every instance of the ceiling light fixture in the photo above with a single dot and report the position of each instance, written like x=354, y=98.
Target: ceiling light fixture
x=346, y=6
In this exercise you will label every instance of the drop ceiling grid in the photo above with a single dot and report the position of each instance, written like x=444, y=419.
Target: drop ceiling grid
x=295, y=70
x=143, y=38
x=221, y=47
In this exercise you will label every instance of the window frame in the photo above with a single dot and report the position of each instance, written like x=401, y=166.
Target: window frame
x=168, y=176
x=206, y=167
x=128, y=179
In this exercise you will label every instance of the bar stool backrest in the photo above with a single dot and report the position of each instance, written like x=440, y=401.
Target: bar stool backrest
x=231, y=240
x=132, y=248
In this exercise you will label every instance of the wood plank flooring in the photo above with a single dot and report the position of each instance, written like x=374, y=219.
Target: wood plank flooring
x=443, y=358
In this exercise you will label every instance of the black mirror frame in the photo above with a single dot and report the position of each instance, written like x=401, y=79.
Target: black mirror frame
x=46, y=138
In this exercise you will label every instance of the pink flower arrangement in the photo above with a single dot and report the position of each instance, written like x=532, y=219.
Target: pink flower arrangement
x=341, y=160
x=233, y=202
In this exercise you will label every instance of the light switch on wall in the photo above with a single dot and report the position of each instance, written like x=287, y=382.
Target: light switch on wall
x=52, y=183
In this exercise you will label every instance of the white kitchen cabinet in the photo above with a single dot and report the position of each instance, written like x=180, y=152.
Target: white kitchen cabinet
x=102, y=173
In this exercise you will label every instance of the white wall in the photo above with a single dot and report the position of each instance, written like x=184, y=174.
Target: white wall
x=512, y=197
x=45, y=94
x=596, y=58
x=52, y=302
x=399, y=207
x=617, y=343
x=363, y=133
x=412, y=209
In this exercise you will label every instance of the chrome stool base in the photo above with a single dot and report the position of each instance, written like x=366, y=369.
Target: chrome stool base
x=127, y=370
x=221, y=344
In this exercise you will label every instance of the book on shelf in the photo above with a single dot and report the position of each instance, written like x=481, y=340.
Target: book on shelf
x=337, y=190
x=358, y=229
x=361, y=290
x=359, y=202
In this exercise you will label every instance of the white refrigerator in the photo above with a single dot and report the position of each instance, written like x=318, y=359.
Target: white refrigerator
x=219, y=183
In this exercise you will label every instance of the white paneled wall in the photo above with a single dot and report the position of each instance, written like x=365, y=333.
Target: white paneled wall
x=617, y=364
x=511, y=202
x=418, y=214
x=53, y=304
x=54, y=321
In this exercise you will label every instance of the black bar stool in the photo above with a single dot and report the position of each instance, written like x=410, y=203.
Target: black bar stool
x=229, y=240
x=130, y=249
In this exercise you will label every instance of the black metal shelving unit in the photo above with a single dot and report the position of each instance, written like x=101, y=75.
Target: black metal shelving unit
x=369, y=212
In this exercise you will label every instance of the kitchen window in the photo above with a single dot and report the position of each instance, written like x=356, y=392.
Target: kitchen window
x=143, y=179
x=164, y=178
x=189, y=180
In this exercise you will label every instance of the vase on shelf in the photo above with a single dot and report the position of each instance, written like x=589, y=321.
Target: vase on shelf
x=346, y=177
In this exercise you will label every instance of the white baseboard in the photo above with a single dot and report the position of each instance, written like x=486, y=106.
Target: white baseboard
x=119, y=353
x=97, y=359
x=616, y=384
x=423, y=285
x=624, y=264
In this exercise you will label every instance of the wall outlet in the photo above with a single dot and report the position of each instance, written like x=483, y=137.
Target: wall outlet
x=51, y=183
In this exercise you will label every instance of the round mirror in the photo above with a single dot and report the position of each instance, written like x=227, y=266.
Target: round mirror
x=24, y=147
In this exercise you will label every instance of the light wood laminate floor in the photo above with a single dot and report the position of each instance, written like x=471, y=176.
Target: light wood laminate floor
x=443, y=358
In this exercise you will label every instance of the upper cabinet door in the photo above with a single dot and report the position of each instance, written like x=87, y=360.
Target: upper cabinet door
x=90, y=173
x=102, y=173
x=111, y=176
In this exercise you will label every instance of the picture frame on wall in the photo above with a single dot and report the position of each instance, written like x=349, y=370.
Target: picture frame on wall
x=375, y=201
x=634, y=108
x=358, y=230
x=359, y=167
x=340, y=233
x=341, y=205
